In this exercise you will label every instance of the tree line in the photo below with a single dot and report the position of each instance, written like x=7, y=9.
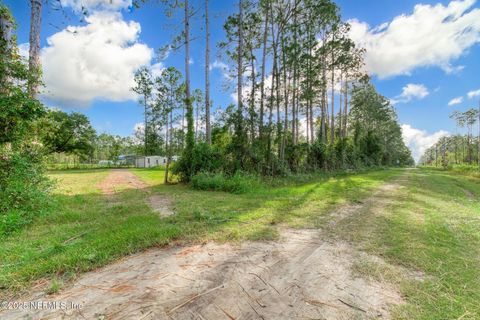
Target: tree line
x=460, y=148
x=303, y=103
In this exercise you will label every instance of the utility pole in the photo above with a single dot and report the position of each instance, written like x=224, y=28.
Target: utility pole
x=478, y=138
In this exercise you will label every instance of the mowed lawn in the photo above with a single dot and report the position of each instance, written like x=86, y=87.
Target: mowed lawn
x=430, y=227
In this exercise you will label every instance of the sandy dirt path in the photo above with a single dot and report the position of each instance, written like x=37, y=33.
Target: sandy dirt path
x=123, y=179
x=120, y=179
x=307, y=274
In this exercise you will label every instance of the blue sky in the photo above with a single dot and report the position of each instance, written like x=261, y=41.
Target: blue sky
x=422, y=54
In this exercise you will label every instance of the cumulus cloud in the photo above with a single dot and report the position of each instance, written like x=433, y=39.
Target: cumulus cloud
x=82, y=5
x=433, y=35
x=455, y=101
x=473, y=94
x=223, y=67
x=94, y=61
x=419, y=140
x=409, y=92
x=412, y=90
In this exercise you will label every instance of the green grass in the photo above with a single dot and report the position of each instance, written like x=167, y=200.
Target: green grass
x=431, y=227
x=87, y=230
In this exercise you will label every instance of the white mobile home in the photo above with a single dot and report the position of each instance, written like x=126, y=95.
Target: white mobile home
x=150, y=161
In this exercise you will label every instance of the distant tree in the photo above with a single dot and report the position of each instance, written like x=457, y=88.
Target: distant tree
x=69, y=133
x=169, y=92
x=143, y=87
x=18, y=109
x=198, y=101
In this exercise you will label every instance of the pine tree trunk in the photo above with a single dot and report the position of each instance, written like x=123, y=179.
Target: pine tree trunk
x=312, y=129
x=295, y=74
x=332, y=119
x=277, y=100
x=310, y=87
x=208, y=129
x=262, y=84
x=34, y=53
x=197, y=114
x=252, y=98
x=285, y=98
x=324, y=99
x=270, y=116
x=345, y=107
x=190, y=140
x=145, y=129
x=6, y=27
x=165, y=178
x=307, y=123
x=340, y=113
x=478, y=140
x=272, y=88
x=240, y=69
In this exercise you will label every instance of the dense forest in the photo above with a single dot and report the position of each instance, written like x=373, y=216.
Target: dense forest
x=303, y=103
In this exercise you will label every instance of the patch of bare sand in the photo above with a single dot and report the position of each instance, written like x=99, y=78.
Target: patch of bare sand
x=305, y=275
x=161, y=204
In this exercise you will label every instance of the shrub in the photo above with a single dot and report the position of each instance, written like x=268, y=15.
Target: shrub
x=316, y=155
x=238, y=183
x=23, y=190
x=202, y=158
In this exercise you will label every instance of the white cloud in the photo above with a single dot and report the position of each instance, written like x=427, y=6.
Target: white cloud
x=81, y=5
x=411, y=91
x=139, y=127
x=23, y=49
x=430, y=36
x=473, y=94
x=223, y=67
x=95, y=61
x=455, y=101
x=247, y=91
x=157, y=69
x=419, y=140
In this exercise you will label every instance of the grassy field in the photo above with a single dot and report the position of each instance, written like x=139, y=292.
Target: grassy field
x=430, y=227
x=87, y=229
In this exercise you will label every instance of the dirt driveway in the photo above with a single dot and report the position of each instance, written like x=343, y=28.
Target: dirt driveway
x=307, y=274
x=121, y=179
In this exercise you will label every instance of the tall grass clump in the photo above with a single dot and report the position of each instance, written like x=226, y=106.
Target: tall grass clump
x=237, y=183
